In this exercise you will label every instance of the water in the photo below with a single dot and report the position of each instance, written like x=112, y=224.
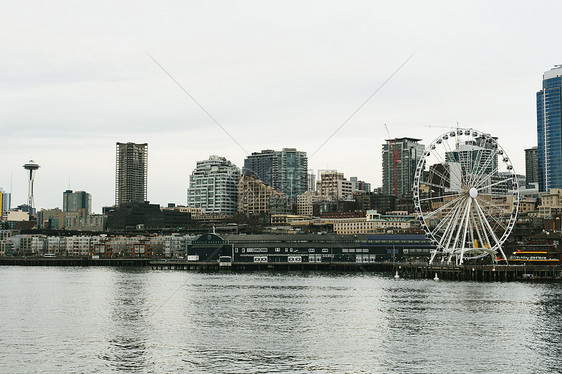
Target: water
x=87, y=320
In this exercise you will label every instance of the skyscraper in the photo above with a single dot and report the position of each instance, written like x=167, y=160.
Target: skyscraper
x=531, y=166
x=285, y=170
x=5, y=201
x=213, y=186
x=131, y=173
x=400, y=156
x=549, y=130
x=73, y=201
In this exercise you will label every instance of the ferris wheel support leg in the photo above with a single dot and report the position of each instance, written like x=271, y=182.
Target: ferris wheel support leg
x=433, y=254
x=491, y=231
x=503, y=255
x=450, y=232
x=466, y=223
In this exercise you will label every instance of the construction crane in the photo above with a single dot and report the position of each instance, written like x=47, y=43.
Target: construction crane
x=395, y=157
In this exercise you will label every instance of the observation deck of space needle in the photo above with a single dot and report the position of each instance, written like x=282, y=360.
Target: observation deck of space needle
x=466, y=196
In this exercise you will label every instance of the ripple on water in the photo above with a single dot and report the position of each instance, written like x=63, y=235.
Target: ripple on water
x=100, y=320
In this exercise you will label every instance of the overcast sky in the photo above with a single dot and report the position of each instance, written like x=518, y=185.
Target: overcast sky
x=76, y=79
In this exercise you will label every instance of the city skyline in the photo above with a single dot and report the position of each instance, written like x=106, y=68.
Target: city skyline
x=273, y=75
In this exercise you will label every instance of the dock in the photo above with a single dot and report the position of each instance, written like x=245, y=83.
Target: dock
x=481, y=273
x=270, y=266
x=72, y=261
x=406, y=270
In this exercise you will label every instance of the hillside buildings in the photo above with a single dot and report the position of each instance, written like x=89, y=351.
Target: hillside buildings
x=131, y=173
x=285, y=170
x=255, y=197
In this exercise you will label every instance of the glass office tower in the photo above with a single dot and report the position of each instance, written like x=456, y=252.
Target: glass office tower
x=549, y=130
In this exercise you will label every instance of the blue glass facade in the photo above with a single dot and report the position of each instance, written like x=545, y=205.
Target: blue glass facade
x=285, y=170
x=549, y=131
x=261, y=165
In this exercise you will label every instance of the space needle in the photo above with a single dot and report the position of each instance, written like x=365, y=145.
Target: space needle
x=31, y=166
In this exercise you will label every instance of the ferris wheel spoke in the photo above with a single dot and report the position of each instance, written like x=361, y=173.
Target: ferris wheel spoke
x=440, y=197
x=459, y=240
x=487, y=224
x=443, y=207
x=479, y=154
x=458, y=226
x=497, y=223
x=471, y=228
x=497, y=208
x=434, y=185
x=487, y=178
x=447, y=145
x=484, y=230
x=442, y=223
x=466, y=224
x=475, y=222
x=450, y=226
x=443, y=177
x=481, y=172
x=494, y=184
x=438, y=156
x=445, y=221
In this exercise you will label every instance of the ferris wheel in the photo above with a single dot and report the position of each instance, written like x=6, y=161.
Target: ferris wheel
x=466, y=196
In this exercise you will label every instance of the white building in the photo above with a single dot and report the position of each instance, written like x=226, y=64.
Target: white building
x=80, y=245
x=93, y=222
x=5, y=242
x=332, y=186
x=373, y=223
x=305, y=203
x=56, y=245
x=175, y=245
x=213, y=186
x=17, y=215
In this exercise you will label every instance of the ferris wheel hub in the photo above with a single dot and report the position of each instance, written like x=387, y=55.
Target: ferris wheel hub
x=473, y=192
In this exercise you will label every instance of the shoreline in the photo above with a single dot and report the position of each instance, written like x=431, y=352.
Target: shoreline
x=406, y=270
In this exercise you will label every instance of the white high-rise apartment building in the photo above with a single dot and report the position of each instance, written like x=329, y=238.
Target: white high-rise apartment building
x=213, y=186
